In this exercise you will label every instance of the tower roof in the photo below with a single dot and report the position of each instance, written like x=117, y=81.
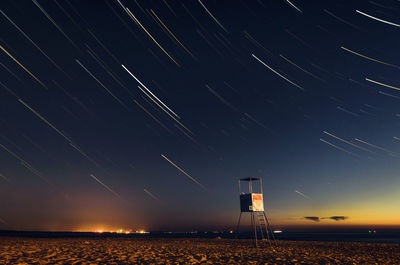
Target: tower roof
x=250, y=179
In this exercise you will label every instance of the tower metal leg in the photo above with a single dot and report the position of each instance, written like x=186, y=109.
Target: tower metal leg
x=253, y=224
x=237, y=226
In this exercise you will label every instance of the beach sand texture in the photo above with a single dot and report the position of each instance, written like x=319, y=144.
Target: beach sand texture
x=189, y=251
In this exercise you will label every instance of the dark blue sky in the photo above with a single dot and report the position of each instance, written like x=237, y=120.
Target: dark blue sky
x=320, y=118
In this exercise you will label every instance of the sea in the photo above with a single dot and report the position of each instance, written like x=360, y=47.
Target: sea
x=368, y=236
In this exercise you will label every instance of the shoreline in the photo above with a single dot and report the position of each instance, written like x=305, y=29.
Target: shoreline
x=377, y=237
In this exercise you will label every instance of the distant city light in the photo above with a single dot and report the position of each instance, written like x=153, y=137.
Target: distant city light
x=277, y=231
x=141, y=232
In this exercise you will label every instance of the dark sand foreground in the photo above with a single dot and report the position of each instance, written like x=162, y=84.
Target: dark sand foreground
x=189, y=251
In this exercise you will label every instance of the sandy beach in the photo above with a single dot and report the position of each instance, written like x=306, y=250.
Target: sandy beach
x=189, y=251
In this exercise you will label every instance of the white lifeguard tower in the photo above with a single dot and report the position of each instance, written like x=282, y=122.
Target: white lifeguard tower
x=252, y=202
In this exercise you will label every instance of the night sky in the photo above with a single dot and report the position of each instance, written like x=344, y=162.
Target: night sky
x=301, y=93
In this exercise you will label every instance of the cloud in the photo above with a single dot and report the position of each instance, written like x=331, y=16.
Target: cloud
x=312, y=218
x=335, y=218
x=338, y=218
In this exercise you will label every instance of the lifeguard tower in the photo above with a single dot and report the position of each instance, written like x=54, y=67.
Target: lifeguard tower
x=252, y=202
